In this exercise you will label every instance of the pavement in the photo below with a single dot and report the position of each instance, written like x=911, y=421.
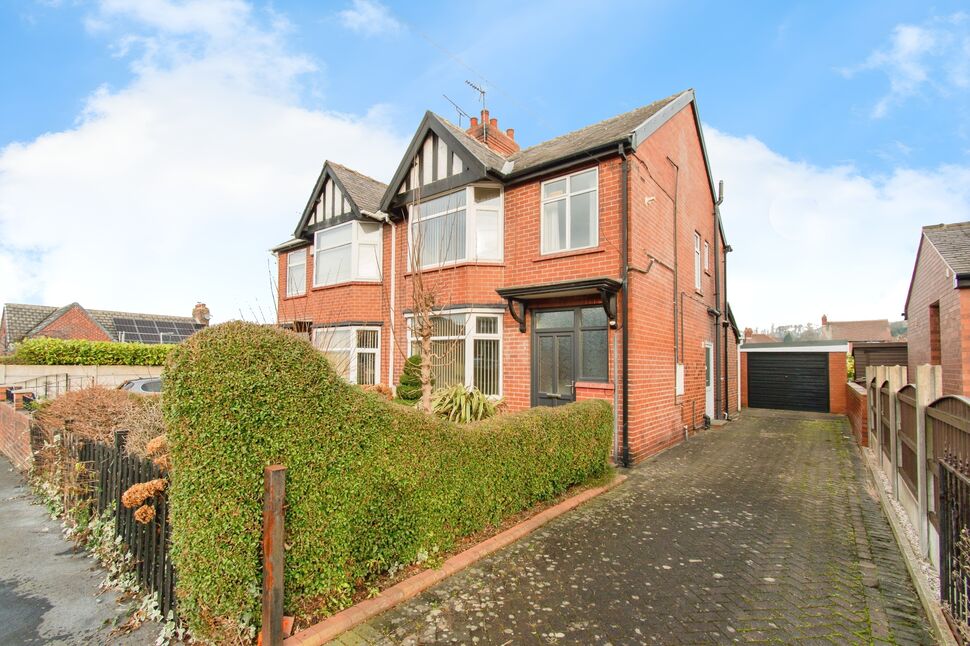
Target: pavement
x=764, y=530
x=49, y=592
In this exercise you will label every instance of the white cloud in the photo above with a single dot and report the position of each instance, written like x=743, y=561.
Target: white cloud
x=934, y=54
x=813, y=240
x=171, y=189
x=370, y=17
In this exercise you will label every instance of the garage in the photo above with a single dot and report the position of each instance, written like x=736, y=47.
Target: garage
x=793, y=376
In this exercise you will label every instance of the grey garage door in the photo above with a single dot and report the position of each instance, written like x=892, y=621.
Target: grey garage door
x=789, y=380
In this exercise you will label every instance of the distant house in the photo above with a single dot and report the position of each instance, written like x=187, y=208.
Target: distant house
x=855, y=331
x=871, y=343
x=750, y=336
x=938, y=305
x=20, y=321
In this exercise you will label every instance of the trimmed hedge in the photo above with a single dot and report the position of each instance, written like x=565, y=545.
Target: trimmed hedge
x=370, y=486
x=74, y=352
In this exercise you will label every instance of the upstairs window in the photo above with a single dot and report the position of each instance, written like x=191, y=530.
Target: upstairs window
x=351, y=251
x=570, y=212
x=707, y=257
x=697, y=261
x=296, y=273
x=354, y=352
x=462, y=226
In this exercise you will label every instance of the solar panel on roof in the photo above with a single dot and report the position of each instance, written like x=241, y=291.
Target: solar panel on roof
x=152, y=331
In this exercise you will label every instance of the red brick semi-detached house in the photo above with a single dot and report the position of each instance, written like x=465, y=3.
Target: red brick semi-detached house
x=938, y=305
x=588, y=266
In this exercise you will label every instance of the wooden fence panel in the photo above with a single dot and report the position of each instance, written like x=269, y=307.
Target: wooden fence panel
x=908, y=462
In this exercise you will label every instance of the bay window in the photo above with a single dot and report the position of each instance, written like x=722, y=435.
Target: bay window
x=570, y=212
x=354, y=352
x=466, y=348
x=465, y=225
x=351, y=251
x=296, y=272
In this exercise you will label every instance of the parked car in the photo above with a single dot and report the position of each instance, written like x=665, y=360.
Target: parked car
x=145, y=386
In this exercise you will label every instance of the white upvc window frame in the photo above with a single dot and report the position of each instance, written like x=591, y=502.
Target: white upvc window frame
x=594, y=218
x=471, y=227
x=697, y=261
x=471, y=334
x=352, y=349
x=707, y=257
x=289, y=269
x=356, y=240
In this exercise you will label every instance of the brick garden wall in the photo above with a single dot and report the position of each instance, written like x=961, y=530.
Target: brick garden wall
x=856, y=409
x=933, y=283
x=15, y=436
x=837, y=379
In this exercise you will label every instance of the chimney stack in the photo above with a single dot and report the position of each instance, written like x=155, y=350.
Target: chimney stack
x=825, y=320
x=200, y=313
x=486, y=130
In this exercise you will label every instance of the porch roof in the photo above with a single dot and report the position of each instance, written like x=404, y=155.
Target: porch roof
x=517, y=297
x=576, y=287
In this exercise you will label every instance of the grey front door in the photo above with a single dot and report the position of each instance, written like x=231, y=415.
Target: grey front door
x=553, y=370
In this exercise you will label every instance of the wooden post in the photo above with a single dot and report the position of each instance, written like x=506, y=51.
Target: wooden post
x=274, y=482
x=929, y=386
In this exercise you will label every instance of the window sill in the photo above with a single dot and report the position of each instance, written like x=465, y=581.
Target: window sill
x=294, y=297
x=346, y=283
x=569, y=254
x=594, y=385
x=463, y=263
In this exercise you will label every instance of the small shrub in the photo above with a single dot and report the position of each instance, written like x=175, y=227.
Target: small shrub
x=409, y=389
x=382, y=390
x=75, y=352
x=144, y=422
x=370, y=486
x=462, y=405
x=93, y=413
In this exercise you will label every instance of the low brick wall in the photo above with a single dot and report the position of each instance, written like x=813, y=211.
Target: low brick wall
x=856, y=410
x=15, y=436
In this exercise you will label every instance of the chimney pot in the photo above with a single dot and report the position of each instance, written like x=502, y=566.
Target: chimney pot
x=474, y=122
x=510, y=133
x=825, y=320
x=493, y=122
x=484, y=117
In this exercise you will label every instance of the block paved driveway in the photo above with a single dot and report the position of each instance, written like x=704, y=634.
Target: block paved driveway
x=764, y=530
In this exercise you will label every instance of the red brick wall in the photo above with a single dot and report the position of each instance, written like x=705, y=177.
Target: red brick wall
x=15, y=436
x=933, y=283
x=856, y=409
x=837, y=379
x=733, y=373
x=744, y=380
x=657, y=418
x=74, y=324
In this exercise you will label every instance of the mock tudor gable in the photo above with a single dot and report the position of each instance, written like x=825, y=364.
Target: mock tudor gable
x=440, y=158
x=340, y=195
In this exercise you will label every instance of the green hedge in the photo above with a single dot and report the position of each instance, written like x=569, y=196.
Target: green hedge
x=370, y=485
x=63, y=352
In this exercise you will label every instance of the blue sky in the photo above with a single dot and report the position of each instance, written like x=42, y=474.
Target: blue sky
x=839, y=128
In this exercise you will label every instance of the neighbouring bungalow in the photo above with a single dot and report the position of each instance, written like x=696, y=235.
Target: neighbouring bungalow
x=20, y=321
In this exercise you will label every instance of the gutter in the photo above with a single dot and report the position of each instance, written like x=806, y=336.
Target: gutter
x=625, y=278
